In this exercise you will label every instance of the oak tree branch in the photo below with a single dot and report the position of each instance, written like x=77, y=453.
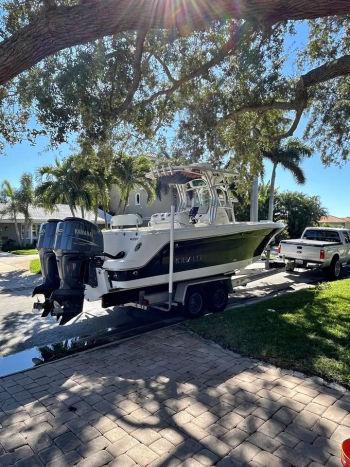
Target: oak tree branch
x=55, y=29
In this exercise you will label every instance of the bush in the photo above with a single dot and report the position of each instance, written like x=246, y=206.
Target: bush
x=9, y=245
x=25, y=252
x=34, y=266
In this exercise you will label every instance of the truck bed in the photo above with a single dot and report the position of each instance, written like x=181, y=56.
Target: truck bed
x=303, y=242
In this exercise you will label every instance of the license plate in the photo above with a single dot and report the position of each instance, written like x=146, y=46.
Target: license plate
x=298, y=261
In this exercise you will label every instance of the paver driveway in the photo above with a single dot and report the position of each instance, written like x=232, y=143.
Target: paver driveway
x=168, y=398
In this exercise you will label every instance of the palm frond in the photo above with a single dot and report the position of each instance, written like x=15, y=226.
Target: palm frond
x=296, y=171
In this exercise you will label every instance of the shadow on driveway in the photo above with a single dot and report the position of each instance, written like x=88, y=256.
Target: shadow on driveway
x=164, y=399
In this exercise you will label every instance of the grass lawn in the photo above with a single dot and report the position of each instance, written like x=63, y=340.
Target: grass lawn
x=25, y=252
x=34, y=266
x=308, y=330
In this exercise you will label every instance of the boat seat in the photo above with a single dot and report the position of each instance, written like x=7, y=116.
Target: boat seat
x=126, y=220
x=221, y=218
x=162, y=219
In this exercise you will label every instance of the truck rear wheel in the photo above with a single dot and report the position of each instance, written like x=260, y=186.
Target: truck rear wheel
x=217, y=298
x=334, y=270
x=195, y=305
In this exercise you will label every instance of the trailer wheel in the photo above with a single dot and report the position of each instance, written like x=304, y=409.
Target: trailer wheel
x=218, y=298
x=195, y=302
x=334, y=269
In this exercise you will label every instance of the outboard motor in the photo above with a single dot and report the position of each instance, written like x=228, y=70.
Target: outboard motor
x=49, y=271
x=77, y=242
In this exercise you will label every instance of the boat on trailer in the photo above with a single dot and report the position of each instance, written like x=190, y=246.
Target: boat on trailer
x=198, y=242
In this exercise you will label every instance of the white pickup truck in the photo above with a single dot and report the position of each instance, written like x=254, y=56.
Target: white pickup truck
x=322, y=247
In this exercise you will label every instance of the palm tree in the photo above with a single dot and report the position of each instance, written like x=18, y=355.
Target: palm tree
x=10, y=198
x=25, y=198
x=64, y=182
x=130, y=173
x=289, y=156
x=101, y=163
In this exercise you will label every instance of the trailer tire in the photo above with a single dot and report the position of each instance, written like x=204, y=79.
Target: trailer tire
x=195, y=303
x=217, y=298
x=334, y=270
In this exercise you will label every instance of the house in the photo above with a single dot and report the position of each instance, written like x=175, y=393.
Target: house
x=334, y=221
x=138, y=203
x=38, y=215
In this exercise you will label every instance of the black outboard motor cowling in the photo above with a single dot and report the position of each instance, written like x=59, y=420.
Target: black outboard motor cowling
x=77, y=242
x=49, y=271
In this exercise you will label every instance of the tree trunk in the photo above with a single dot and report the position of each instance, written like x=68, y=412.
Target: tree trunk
x=54, y=29
x=82, y=212
x=105, y=216
x=254, y=201
x=26, y=231
x=27, y=228
x=96, y=215
x=272, y=193
x=18, y=235
x=72, y=210
x=105, y=206
x=126, y=201
x=119, y=205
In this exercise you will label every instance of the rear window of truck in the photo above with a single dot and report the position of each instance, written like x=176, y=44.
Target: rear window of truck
x=322, y=235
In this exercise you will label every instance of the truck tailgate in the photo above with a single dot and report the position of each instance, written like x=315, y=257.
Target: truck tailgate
x=303, y=250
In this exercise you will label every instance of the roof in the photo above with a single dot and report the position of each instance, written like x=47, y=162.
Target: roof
x=39, y=214
x=334, y=220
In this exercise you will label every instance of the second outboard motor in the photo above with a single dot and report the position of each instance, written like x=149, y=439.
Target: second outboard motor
x=49, y=271
x=77, y=242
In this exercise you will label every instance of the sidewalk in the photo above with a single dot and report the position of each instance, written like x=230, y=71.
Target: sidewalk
x=14, y=273
x=169, y=398
x=10, y=263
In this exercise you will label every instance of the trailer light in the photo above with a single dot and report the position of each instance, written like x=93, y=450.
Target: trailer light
x=279, y=249
x=322, y=254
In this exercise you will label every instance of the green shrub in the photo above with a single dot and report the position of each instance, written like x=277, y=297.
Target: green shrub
x=30, y=251
x=34, y=266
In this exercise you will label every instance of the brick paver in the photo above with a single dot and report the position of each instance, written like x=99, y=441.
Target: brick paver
x=169, y=399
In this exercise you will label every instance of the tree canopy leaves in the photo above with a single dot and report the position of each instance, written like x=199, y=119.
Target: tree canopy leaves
x=226, y=90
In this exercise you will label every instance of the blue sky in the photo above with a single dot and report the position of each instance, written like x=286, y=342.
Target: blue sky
x=332, y=184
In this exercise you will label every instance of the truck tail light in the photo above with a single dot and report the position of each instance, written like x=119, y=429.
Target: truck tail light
x=322, y=254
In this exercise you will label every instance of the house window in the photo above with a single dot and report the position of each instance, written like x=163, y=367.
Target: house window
x=137, y=199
